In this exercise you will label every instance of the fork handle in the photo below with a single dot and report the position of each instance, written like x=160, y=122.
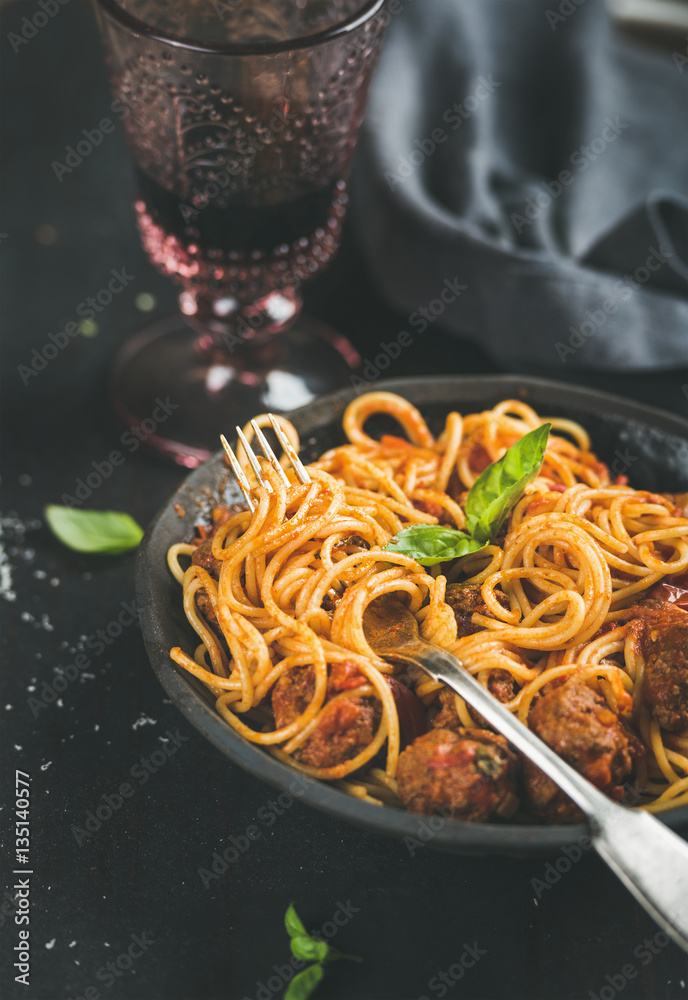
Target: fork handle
x=650, y=859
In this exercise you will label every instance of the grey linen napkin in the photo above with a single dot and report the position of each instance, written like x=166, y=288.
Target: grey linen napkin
x=521, y=181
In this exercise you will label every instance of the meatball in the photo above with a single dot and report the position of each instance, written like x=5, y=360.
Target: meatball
x=578, y=725
x=205, y=607
x=469, y=773
x=464, y=600
x=203, y=556
x=346, y=725
x=501, y=686
x=546, y=799
x=661, y=638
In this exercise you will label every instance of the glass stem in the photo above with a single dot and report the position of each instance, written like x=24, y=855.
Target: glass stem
x=226, y=326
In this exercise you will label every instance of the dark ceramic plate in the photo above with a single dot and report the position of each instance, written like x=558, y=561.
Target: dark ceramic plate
x=648, y=445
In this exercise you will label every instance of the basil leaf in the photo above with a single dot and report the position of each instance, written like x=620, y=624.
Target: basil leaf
x=333, y=955
x=305, y=947
x=501, y=485
x=293, y=923
x=303, y=983
x=105, y=531
x=430, y=544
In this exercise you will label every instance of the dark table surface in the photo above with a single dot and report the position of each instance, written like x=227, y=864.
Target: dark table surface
x=412, y=918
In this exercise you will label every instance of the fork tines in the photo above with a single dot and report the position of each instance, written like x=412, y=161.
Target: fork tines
x=244, y=485
x=243, y=482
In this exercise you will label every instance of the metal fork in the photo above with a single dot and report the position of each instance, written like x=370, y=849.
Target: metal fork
x=244, y=485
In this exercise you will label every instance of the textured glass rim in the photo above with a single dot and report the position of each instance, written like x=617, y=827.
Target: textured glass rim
x=368, y=9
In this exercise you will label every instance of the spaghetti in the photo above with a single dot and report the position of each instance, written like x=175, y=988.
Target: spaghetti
x=278, y=601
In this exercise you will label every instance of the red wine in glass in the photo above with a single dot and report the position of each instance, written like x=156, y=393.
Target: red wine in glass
x=241, y=248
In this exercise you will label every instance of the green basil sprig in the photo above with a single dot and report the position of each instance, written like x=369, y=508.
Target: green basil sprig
x=309, y=949
x=495, y=492
x=108, y=532
x=501, y=485
x=430, y=544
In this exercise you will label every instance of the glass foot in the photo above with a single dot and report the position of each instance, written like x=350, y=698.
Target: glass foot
x=178, y=390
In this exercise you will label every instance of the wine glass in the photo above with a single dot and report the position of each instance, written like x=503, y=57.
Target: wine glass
x=242, y=118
